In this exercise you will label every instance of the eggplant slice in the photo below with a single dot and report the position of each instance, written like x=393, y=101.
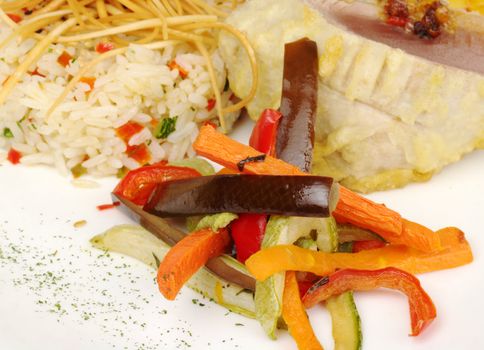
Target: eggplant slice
x=295, y=134
x=312, y=196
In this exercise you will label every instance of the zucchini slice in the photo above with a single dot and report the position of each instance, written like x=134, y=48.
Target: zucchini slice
x=346, y=322
x=140, y=244
x=342, y=308
x=268, y=293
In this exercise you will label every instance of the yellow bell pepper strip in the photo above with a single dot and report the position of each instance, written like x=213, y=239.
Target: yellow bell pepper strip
x=422, y=309
x=188, y=256
x=294, y=315
x=456, y=252
x=351, y=208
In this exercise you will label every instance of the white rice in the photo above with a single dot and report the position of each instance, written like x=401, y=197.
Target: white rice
x=137, y=86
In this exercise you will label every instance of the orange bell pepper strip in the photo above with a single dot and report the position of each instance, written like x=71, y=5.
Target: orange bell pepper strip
x=422, y=309
x=351, y=208
x=187, y=257
x=456, y=252
x=294, y=315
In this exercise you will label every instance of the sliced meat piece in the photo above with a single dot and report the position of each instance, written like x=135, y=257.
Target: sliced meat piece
x=392, y=108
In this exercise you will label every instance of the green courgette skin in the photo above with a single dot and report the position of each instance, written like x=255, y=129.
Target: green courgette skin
x=346, y=322
x=342, y=308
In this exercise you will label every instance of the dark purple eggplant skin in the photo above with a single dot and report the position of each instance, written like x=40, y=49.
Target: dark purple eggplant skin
x=261, y=194
x=295, y=134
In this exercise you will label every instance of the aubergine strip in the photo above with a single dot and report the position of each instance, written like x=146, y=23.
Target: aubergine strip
x=166, y=231
x=295, y=134
x=311, y=196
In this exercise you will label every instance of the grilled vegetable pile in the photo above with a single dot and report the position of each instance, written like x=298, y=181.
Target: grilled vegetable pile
x=277, y=238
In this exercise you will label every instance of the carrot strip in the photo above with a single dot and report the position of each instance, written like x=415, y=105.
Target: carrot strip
x=456, y=252
x=227, y=152
x=294, y=315
x=351, y=208
x=362, y=212
x=225, y=171
x=187, y=257
x=419, y=237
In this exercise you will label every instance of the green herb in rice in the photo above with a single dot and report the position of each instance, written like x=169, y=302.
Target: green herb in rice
x=7, y=133
x=165, y=127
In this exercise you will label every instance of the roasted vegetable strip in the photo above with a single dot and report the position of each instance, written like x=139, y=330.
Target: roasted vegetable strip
x=362, y=212
x=359, y=246
x=294, y=315
x=248, y=230
x=187, y=257
x=295, y=135
x=168, y=233
x=263, y=137
x=227, y=152
x=135, y=241
x=359, y=211
x=418, y=236
x=138, y=184
x=422, y=309
x=456, y=252
x=280, y=195
x=351, y=208
x=247, y=233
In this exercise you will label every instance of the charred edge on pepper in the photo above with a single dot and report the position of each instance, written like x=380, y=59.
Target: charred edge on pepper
x=259, y=158
x=318, y=284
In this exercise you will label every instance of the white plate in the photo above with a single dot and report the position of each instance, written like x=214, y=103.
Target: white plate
x=57, y=292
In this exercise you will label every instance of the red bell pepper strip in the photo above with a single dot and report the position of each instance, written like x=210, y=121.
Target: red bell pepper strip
x=126, y=131
x=247, y=233
x=139, y=153
x=306, y=280
x=182, y=72
x=14, y=17
x=103, y=47
x=36, y=72
x=263, y=137
x=358, y=246
x=248, y=230
x=14, y=156
x=211, y=104
x=422, y=309
x=64, y=59
x=138, y=184
x=108, y=206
